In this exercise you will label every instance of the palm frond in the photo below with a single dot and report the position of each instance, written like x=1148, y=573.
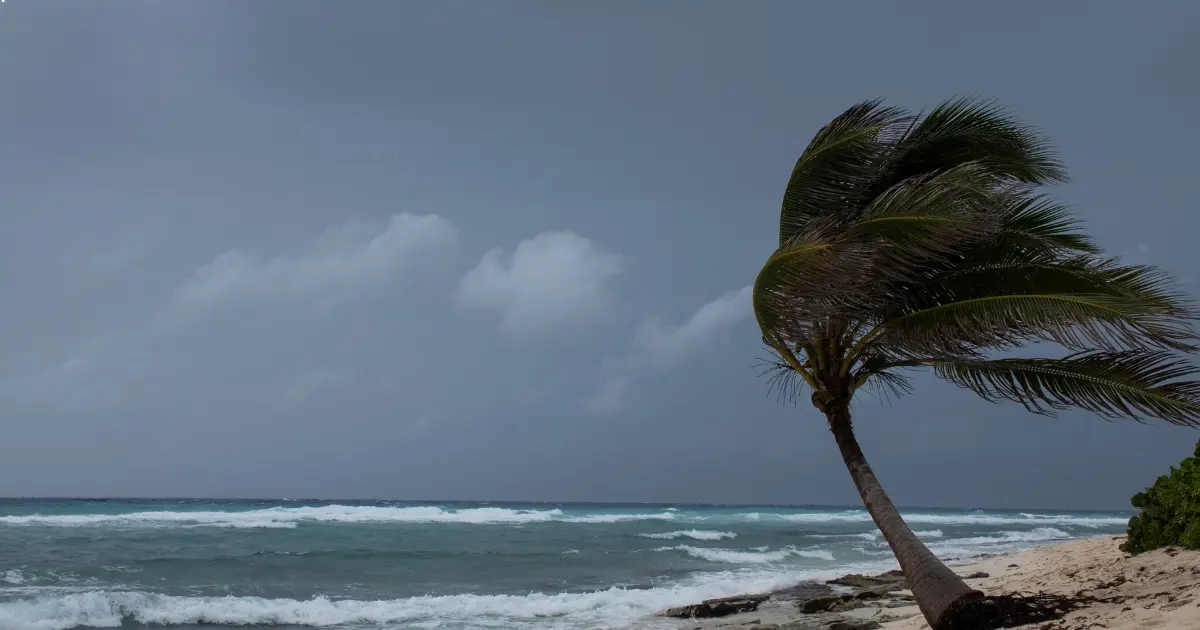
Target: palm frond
x=923, y=219
x=1080, y=302
x=834, y=174
x=802, y=268
x=1015, y=273
x=886, y=383
x=974, y=130
x=1073, y=320
x=783, y=382
x=908, y=237
x=1036, y=223
x=1134, y=384
x=838, y=267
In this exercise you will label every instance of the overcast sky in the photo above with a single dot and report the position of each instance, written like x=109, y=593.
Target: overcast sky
x=501, y=250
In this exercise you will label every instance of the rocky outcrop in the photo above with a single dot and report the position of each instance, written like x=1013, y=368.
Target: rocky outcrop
x=855, y=624
x=717, y=607
x=824, y=606
x=801, y=592
x=857, y=580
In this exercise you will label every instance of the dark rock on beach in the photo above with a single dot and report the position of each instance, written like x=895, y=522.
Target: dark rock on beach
x=891, y=578
x=864, y=624
x=717, y=607
x=823, y=606
x=802, y=591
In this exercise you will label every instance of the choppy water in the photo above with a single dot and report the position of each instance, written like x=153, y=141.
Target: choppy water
x=285, y=564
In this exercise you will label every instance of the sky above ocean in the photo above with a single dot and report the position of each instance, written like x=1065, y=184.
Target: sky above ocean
x=455, y=250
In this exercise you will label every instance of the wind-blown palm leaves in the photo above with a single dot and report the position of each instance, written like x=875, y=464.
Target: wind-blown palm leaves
x=922, y=241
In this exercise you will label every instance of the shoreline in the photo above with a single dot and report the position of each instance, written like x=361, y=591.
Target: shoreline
x=1158, y=589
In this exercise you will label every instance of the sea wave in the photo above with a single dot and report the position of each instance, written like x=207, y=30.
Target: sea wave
x=875, y=536
x=998, y=542
x=694, y=534
x=868, y=536
x=286, y=517
x=618, y=518
x=614, y=607
x=1041, y=534
x=760, y=556
x=972, y=518
x=13, y=576
x=289, y=517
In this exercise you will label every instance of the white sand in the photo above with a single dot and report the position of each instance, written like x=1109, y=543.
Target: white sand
x=1160, y=589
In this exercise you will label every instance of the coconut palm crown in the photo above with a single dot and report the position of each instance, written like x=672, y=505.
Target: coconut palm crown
x=924, y=241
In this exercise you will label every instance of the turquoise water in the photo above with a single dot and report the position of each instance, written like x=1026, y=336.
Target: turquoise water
x=287, y=564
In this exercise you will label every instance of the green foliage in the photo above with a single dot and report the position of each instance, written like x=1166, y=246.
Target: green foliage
x=1169, y=510
x=911, y=241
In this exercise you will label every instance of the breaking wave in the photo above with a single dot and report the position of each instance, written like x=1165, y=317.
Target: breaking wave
x=860, y=516
x=289, y=517
x=761, y=556
x=286, y=517
x=615, y=607
x=694, y=534
x=1041, y=534
x=877, y=537
x=13, y=576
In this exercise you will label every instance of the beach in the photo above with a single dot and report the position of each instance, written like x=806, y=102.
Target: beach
x=1159, y=589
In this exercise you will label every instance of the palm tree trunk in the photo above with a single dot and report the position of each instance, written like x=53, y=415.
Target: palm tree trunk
x=943, y=597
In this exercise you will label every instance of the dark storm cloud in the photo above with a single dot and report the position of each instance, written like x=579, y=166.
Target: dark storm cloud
x=500, y=250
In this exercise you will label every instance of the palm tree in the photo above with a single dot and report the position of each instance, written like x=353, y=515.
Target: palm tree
x=922, y=241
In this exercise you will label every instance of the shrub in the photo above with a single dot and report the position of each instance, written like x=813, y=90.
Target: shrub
x=1168, y=511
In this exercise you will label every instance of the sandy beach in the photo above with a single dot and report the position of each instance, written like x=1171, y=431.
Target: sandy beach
x=1160, y=589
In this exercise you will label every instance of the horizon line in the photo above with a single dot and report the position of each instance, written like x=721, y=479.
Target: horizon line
x=543, y=502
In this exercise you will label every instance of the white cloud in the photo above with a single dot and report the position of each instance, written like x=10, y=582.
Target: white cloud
x=665, y=345
x=345, y=261
x=662, y=346
x=552, y=281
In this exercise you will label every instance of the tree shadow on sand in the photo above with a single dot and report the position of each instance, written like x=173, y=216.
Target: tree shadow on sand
x=1018, y=609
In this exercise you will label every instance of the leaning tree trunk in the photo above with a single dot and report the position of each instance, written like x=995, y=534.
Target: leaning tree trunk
x=943, y=597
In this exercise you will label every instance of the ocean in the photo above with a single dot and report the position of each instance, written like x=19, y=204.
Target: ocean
x=451, y=566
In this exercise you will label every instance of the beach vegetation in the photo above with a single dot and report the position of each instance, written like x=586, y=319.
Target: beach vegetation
x=1168, y=511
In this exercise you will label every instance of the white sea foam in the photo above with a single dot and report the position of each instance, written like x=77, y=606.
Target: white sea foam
x=694, y=534
x=999, y=542
x=280, y=517
x=1041, y=534
x=610, y=608
x=973, y=518
x=617, y=518
x=762, y=556
x=875, y=536
x=867, y=536
x=286, y=517
x=957, y=548
x=13, y=576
